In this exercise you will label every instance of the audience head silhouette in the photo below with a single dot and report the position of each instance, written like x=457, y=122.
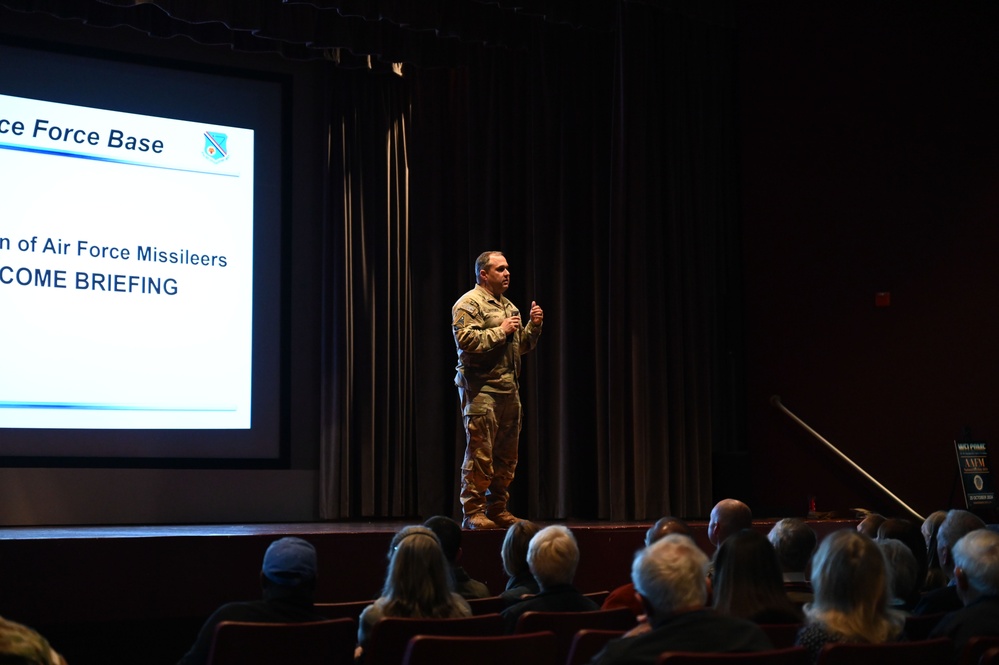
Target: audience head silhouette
x=956, y=525
x=976, y=565
x=794, y=542
x=748, y=582
x=515, y=545
x=850, y=578
x=671, y=575
x=448, y=533
x=290, y=562
x=727, y=517
x=665, y=526
x=418, y=582
x=553, y=556
x=870, y=524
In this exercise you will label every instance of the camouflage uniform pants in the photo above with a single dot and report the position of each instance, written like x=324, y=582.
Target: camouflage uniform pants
x=492, y=433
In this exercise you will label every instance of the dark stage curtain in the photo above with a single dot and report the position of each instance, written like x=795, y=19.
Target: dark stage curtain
x=597, y=149
x=603, y=165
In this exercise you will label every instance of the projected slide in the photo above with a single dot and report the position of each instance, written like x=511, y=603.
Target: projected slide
x=126, y=270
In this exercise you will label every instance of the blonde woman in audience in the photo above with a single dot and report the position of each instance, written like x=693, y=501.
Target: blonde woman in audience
x=850, y=578
x=417, y=584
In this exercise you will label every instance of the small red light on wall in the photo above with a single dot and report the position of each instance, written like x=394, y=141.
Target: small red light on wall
x=882, y=299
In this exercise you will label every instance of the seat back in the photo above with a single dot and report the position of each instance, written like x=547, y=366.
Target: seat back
x=390, y=636
x=587, y=643
x=788, y=656
x=313, y=643
x=565, y=625
x=597, y=597
x=920, y=652
x=973, y=649
x=349, y=610
x=491, y=650
x=782, y=635
x=490, y=605
x=990, y=657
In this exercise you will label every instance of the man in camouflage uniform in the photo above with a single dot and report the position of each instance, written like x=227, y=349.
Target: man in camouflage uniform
x=490, y=339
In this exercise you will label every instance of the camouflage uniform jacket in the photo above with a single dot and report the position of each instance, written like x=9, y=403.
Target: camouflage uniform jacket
x=488, y=359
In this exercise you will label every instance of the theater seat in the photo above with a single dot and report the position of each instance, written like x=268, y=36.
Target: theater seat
x=391, y=635
x=492, y=650
x=313, y=643
x=924, y=652
x=565, y=625
x=588, y=643
x=789, y=656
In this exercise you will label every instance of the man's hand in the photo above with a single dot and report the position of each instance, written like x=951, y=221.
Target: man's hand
x=511, y=324
x=537, y=314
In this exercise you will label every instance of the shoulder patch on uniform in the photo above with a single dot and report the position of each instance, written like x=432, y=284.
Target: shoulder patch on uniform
x=469, y=306
x=460, y=322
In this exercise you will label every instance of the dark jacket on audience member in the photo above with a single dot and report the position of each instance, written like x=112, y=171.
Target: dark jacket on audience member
x=980, y=618
x=466, y=587
x=559, y=598
x=520, y=586
x=271, y=610
x=698, y=630
x=938, y=601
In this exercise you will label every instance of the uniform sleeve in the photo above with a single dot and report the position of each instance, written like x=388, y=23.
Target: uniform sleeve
x=470, y=333
x=529, y=337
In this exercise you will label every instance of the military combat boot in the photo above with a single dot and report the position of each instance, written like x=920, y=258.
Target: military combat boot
x=478, y=521
x=501, y=516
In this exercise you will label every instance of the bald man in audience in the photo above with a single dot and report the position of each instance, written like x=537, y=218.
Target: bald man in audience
x=671, y=578
x=976, y=576
x=727, y=517
x=626, y=596
x=955, y=526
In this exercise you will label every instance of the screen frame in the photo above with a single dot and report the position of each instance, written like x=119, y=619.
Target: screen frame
x=271, y=277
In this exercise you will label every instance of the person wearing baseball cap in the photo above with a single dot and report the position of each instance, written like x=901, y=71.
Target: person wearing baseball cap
x=288, y=584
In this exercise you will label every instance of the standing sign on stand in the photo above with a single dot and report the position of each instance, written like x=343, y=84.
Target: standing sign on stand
x=976, y=476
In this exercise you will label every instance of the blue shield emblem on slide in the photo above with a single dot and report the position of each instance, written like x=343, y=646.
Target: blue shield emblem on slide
x=215, y=147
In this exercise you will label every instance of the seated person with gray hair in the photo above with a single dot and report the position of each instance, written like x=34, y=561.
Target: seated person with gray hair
x=552, y=556
x=794, y=541
x=671, y=578
x=976, y=572
x=625, y=595
x=956, y=525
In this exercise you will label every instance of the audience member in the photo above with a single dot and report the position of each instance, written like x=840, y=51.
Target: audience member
x=417, y=584
x=748, y=582
x=956, y=525
x=671, y=578
x=935, y=577
x=908, y=533
x=288, y=584
x=21, y=645
x=976, y=572
x=903, y=574
x=931, y=525
x=521, y=583
x=870, y=524
x=552, y=557
x=625, y=596
x=794, y=541
x=449, y=534
x=850, y=579
x=727, y=517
